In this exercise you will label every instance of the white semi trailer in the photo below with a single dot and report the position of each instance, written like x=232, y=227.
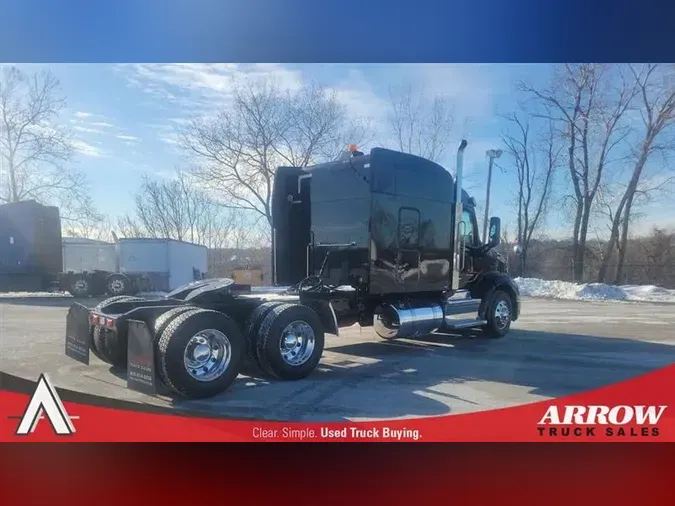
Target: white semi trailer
x=129, y=266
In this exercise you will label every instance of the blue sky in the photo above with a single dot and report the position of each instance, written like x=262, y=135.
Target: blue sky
x=124, y=116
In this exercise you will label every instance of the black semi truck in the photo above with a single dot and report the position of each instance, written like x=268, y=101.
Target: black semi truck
x=385, y=239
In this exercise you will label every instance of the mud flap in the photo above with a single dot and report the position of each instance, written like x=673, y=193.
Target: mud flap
x=141, y=374
x=141, y=370
x=78, y=333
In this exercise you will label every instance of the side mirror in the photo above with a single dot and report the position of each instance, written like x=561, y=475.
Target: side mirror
x=518, y=250
x=495, y=237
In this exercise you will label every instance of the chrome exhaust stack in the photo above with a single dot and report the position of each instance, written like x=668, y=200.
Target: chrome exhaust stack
x=457, y=254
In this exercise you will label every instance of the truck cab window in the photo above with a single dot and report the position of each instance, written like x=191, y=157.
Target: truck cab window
x=468, y=231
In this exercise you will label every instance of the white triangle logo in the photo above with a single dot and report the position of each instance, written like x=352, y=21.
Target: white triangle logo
x=45, y=401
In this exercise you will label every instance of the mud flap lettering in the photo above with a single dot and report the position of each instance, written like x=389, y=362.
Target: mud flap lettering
x=78, y=333
x=141, y=373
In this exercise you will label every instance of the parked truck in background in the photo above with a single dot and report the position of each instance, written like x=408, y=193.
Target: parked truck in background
x=35, y=257
x=387, y=240
x=130, y=266
x=30, y=246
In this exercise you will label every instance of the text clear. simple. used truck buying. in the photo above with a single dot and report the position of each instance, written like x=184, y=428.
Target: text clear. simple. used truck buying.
x=384, y=239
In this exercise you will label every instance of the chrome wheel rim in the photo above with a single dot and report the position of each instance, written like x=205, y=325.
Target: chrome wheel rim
x=80, y=285
x=207, y=355
x=297, y=343
x=502, y=314
x=116, y=286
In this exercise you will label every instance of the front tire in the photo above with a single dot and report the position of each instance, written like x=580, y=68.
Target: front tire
x=290, y=342
x=498, y=315
x=199, y=353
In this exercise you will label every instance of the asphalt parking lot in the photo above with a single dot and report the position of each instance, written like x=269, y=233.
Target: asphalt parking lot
x=555, y=348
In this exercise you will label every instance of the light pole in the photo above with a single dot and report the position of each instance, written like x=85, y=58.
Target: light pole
x=492, y=154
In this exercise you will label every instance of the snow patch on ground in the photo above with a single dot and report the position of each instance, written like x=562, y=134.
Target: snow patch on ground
x=34, y=295
x=65, y=295
x=532, y=287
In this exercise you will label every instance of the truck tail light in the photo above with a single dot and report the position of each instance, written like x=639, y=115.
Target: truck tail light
x=95, y=319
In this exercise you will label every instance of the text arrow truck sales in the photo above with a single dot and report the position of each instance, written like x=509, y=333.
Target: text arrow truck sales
x=611, y=421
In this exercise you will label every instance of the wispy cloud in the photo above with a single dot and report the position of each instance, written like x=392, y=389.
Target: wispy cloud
x=102, y=124
x=180, y=121
x=81, y=114
x=169, y=139
x=131, y=138
x=189, y=89
x=200, y=87
x=88, y=130
x=86, y=149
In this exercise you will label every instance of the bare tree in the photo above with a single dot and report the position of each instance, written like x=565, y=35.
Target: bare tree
x=587, y=109
x=656, y=98
x=658, y=251
x=237, y=151
x=178, y=209
x=420, y=126
x=536, y=156
x=35, y=149
x=99, y=228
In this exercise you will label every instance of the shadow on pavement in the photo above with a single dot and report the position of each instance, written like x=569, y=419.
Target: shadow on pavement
x=437, y=374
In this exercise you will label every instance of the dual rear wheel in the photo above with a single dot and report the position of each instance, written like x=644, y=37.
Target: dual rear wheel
x=285, y=341
x=200, y=352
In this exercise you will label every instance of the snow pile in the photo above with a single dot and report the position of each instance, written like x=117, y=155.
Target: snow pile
x=532, y=287
x=649, y=293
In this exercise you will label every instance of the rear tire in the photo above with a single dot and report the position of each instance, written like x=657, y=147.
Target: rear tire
x=251, y=365
x=252, y=327
x=164, y=319
x=290, y=342
x=117, y=285
x=113, y=300
x=498, y=315
x=79, y=286
x=95, y=337
x=199, y=353
x=110, y=348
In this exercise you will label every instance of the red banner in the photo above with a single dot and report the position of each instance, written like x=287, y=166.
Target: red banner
x=638, y=410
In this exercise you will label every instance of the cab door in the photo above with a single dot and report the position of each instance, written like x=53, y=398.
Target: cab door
x=408, y=255
x=468, y=242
